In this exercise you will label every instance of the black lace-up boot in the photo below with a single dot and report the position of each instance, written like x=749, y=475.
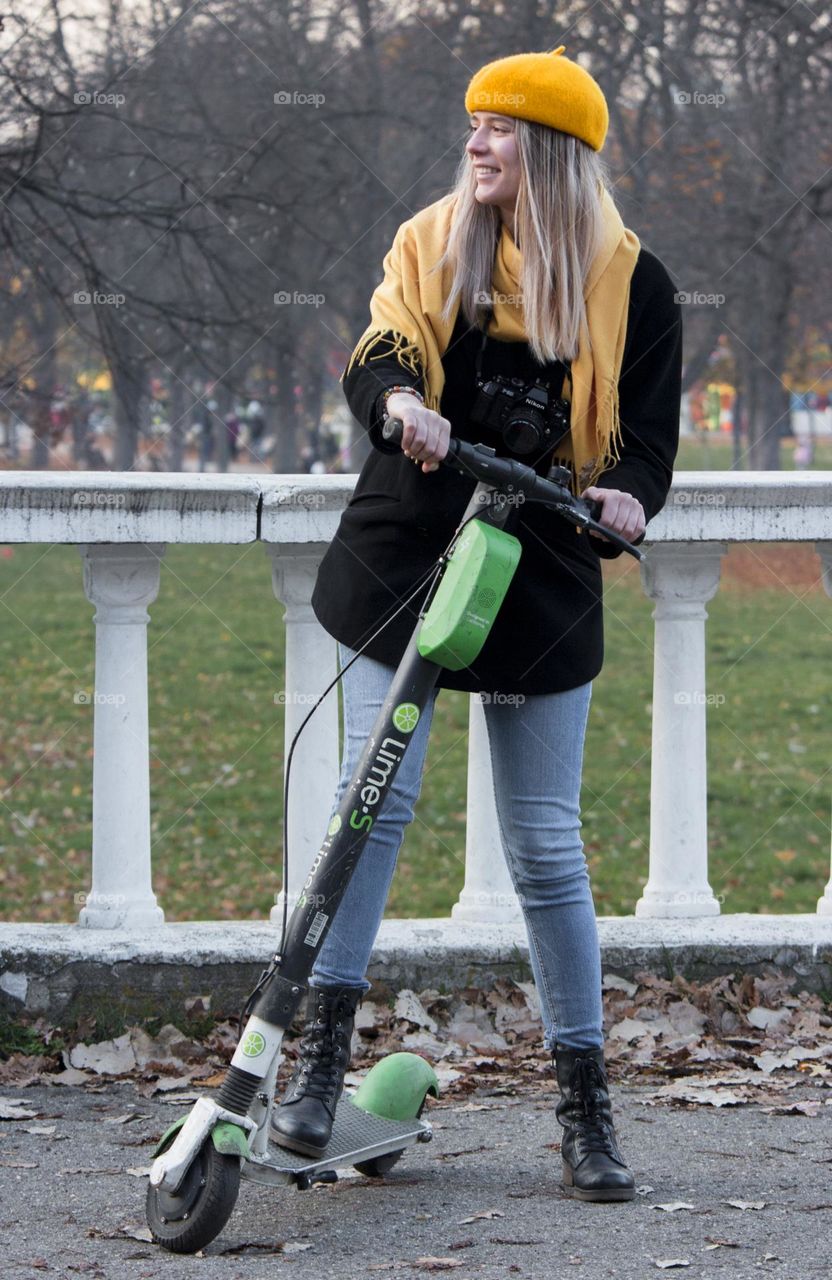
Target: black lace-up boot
x=593, y=1167
x=303, y=1121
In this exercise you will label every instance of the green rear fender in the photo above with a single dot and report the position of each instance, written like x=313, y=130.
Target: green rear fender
x=396, y=1087
x=229, y=1139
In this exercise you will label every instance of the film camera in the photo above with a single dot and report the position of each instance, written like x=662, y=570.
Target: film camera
x=530, y=419
x=526, y=414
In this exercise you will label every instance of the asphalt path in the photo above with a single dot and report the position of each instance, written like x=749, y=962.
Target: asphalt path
x=483, y=1199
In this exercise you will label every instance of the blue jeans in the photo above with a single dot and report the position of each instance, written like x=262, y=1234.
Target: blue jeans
x=536, y=749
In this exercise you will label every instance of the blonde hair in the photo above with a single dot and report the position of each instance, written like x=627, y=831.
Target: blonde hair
x=558, y=226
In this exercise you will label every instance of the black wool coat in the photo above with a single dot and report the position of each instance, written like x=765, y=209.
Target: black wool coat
x=548, y=635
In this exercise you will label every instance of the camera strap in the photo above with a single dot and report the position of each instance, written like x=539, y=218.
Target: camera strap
x=487, y=309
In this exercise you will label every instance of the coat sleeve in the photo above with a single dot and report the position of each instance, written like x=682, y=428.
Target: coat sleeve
x=649, y=395
x=363, y=388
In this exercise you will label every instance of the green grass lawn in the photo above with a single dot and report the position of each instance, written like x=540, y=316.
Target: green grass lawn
x=710, y=452
x=216, y=661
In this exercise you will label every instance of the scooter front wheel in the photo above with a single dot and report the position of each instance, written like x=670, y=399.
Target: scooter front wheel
x=184, y=1221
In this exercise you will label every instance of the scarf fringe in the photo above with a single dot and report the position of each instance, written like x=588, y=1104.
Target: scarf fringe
x=609, y=448
x=386, y=343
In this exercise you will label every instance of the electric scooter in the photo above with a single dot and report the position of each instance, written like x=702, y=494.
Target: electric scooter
x=201, y=1158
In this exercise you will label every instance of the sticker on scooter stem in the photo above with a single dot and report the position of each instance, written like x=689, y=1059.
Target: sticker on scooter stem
x=334, y=826
x=253, y=1045
x=406, y=717
x=316, y=929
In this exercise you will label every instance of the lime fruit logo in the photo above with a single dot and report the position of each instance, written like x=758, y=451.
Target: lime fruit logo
x=253, y=1045
x=406, y=717
x=334, y=826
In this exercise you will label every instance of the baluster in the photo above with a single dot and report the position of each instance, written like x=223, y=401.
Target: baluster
x=311, y=663
x=681, y=579
x=121, y=580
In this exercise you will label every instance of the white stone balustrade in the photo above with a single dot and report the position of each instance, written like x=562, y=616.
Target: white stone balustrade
x=122, y=524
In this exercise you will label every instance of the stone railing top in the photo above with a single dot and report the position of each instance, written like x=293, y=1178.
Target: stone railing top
x=128, y=506
x=171, y=507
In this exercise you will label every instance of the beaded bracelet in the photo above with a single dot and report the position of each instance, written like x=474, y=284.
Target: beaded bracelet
x=386, y=396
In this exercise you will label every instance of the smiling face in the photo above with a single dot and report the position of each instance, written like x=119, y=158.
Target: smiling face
x=492, y=148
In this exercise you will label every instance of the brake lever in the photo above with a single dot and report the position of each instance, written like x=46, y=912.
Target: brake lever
x=573, y=511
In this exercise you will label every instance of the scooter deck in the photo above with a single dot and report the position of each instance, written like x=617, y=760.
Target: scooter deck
x=356, y=1136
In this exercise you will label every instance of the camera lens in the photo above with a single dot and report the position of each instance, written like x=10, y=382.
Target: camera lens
x=523, y=430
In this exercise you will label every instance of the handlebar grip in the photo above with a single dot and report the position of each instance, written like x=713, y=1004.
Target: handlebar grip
x=392, y=430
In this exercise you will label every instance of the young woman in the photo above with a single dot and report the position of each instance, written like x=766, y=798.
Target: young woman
x=523, y=271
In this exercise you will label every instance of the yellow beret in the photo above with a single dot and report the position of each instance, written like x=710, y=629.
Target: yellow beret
x=543, y=87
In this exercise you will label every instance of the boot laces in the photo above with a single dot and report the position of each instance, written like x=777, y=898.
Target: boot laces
x=322, y=1054
x=590, y=1087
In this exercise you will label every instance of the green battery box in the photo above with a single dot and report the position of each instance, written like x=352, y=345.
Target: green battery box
x=472, y=589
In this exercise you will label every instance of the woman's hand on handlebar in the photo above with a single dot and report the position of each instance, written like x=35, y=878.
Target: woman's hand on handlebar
x=620, y=512
x=426, y=434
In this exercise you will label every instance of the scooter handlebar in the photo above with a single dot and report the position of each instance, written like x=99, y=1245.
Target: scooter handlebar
x=481, y=462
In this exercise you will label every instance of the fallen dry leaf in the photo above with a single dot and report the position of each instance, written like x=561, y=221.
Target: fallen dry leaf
x=809, y=1107
x=15, y=1109
x=702, y=1094
x=409, y=1008
x=109, y=1057
x=70, y=1077
x=127, y=1231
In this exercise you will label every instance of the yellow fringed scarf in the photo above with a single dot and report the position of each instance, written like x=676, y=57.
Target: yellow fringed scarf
x=405, y=323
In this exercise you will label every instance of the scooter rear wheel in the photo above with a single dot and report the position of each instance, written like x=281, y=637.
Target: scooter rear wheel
x=377, y=1167
x=184, y=1221
x=380, y=1165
